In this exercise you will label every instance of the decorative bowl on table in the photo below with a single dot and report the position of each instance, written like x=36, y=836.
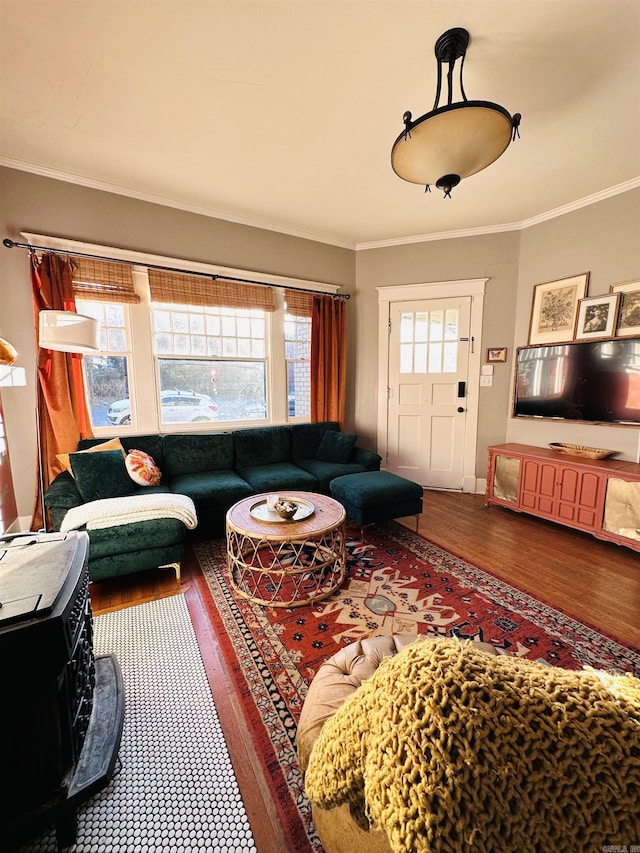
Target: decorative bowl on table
x=286, y=509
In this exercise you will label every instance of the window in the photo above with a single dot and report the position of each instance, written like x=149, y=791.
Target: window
x=107, y=375
x=217, y=355
x=297, y=341
x=429, y=341
x=206, y=365
x=180, y=349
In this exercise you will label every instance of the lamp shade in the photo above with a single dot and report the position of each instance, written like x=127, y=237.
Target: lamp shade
x=8, y=352
x=66, y=331
x=461, y=140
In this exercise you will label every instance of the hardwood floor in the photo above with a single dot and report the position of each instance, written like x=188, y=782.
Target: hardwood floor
x=595, y=582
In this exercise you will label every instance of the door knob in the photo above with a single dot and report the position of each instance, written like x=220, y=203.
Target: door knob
x=460, y=409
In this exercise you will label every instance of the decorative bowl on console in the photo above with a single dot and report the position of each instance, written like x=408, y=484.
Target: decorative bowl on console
x=581, y=450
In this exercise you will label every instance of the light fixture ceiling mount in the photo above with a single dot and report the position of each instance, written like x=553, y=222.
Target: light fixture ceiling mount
x=455, y=140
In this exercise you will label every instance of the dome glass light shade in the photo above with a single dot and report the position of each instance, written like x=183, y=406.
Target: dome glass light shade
x=459, y=140
x=456, y=140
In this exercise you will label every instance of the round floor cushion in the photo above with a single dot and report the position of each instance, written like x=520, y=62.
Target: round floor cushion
x=338, y=678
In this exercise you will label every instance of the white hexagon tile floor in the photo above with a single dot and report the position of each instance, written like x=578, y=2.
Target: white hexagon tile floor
x=176, y=790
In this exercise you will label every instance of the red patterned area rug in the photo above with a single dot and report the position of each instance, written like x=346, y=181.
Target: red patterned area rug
x=397, y=583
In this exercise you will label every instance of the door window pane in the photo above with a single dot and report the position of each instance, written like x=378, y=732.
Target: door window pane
x=441, y=329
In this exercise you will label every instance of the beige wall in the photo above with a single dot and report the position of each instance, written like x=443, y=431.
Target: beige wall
x=490, y=256
x=45, y=206
x=602, y=238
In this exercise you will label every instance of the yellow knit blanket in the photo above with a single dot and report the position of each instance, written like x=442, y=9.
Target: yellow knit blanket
x=446, y=748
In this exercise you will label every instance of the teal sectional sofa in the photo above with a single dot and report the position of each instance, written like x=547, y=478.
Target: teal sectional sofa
x=215, y=470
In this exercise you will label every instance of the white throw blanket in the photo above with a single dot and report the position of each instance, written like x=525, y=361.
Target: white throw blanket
x=130, y=510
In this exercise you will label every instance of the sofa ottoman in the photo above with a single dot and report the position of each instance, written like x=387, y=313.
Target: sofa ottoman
x=375, y=496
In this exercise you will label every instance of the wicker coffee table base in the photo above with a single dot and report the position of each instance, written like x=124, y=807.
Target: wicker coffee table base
x=290, y=573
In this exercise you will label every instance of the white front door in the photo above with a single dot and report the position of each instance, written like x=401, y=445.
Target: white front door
x=427, y=390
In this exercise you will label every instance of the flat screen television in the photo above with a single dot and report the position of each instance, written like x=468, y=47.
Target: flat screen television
x=591, y=381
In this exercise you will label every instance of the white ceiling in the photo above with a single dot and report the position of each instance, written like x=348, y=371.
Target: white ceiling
x=282, y=114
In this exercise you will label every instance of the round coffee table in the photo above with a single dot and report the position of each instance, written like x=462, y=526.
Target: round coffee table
x=282, y=563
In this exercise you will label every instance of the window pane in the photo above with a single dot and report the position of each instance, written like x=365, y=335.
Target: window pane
x=406, y=358
x=107, y=385
x=180, y=322
x=107, y=375
x=420, y=357
x=198, y=345
x=196, y=324
x=114, y=314
x=451, y=325
x=436, y=326
x=450, y=357
x=420, y=333
x=201, y=390
x=163, y=344
x=298, y=389
x=162, y=321
x=116, y=340
x=406, y=328
x=435, y=358
x=297, y=351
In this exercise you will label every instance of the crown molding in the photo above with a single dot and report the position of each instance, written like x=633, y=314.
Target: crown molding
x=513, y=226
x=213, y=213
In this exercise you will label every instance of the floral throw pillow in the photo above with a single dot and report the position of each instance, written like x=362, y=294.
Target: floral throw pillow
x=142, y=469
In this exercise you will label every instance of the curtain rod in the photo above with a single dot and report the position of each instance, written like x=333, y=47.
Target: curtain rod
x=12, y=244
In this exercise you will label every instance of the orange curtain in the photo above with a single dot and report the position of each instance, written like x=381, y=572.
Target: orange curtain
x=63, y=417
x=328, y=359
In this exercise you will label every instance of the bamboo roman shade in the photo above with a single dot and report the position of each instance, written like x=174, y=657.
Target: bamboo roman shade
x=104, y=281
x=299, y=302
x=184, y=289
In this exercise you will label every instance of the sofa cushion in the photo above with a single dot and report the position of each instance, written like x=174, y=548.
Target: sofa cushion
x=151, y=444
x=191, y=454
x=131, y=538
x=111, y=444
x=222, y=487
x=280, y=476
x=336, y=446
x=261, y=446
x=325, y=472
x=306, y=438
x=101, y=475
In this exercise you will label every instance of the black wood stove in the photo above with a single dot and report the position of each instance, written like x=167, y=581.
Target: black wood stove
x=62, y=708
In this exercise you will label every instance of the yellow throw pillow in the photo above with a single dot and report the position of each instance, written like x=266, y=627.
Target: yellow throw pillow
x=112, y=444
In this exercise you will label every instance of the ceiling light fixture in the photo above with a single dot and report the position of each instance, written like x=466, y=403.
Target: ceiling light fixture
x=456, y=140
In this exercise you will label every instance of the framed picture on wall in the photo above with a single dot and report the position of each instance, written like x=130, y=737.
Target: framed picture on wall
x=597, y=317
x=555, y=309
x=495, y=354
x=628, y=324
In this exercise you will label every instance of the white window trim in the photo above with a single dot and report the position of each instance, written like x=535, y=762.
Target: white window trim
x=143, y=378
x=179, y=264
